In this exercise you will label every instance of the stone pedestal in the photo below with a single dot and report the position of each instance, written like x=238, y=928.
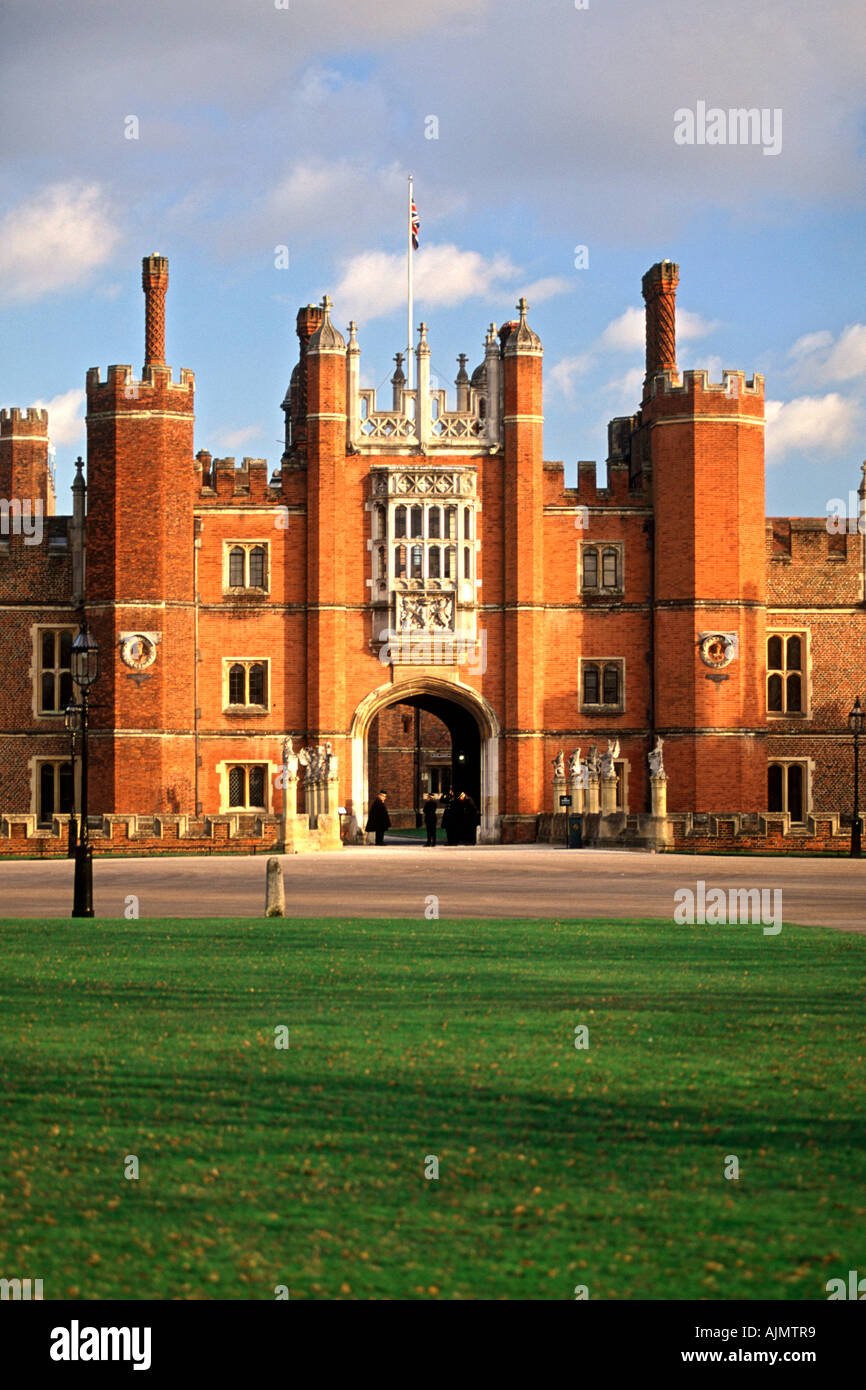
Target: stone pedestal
x=558, y=791
x=608, y=795
x=659, y=795
x=592, y=806
x=576, y=790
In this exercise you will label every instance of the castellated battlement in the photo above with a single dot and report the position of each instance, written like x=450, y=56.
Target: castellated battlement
x=224, y=478
x=126, y=392
x=696, y=382
x=30, y=421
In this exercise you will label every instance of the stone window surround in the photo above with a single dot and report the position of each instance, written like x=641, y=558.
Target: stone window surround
x=246, y=546
x=807, y=764
x=600, y=546
x=246, y=661
x=37, y=630
x=601, y=662
x=805, y=672
x=36, y=765
x=223, y=769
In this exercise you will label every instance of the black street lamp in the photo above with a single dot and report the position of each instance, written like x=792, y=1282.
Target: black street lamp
x=72, y=715
x=855, y=724
x=84, y=663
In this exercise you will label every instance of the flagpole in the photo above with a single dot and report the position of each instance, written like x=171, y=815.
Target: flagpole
x=411, y=287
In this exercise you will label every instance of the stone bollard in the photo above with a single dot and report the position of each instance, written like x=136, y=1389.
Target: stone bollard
x=275, y=901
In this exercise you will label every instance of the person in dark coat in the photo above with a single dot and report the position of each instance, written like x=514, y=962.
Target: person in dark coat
x=430, y=809
x=449, y=820
x=378, y=819
x=467, y=819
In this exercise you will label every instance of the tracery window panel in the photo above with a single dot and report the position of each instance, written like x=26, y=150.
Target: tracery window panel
x=590, y=685
x=237, y=685
x=237, y=567
x=609, y=568
x=257, y=574
x=610, y=689
x=256, y=692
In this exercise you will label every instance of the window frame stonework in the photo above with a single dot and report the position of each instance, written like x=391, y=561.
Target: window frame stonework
x=428, y=515
x=599, y=549
x=784, y=672
x=58, y=671
x=224, y=771
x=247, y=546
x=247, y=662
x=57, y=763
x=785, y=765
x=600, y=663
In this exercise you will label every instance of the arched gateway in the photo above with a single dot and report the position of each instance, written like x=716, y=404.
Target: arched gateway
x=474, y=730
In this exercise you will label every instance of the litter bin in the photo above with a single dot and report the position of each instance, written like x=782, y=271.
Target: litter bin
x=575, y=832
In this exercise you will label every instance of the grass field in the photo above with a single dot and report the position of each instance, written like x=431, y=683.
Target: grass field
x=305, y=1166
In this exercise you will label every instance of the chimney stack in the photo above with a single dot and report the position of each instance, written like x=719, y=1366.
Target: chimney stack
x=154, y=282
x=659, y=287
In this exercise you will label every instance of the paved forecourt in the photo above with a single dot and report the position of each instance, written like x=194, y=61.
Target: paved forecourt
x=397, y=880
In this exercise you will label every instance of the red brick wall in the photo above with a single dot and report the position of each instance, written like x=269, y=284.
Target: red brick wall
x=699, y=555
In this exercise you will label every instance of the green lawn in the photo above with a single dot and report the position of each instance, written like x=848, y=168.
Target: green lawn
x=305, y=1166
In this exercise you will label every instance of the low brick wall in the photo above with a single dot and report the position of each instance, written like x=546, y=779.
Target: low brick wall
x=825, y=832
x=130, y=835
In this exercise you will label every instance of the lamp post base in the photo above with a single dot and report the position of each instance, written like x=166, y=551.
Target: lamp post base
x=82, y=898
x=856, y=837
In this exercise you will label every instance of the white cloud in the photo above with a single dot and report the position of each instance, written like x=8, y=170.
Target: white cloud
x=56, y=240
x=820, y=424
x=625, y=334
x=564, y=374
x=691, y=326
x=547, y=288
x=810, y=343
x=374, y=283
x=819, y=359
x=628, y=332
x=235, y=439
x=65, y=417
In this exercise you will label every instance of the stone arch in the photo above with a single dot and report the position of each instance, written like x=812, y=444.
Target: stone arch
x=435, y=688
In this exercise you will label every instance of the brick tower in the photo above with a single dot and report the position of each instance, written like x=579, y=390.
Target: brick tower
x=709, y=588
x=25, y=474
x=140, y=574
x=523, y=569
x=324, y=387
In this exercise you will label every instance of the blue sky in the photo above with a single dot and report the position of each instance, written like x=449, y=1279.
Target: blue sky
x=263, y=124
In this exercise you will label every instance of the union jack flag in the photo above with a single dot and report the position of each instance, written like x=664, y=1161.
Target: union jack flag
x=416, y=226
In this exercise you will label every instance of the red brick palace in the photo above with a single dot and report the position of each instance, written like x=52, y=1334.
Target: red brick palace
x=406, y=556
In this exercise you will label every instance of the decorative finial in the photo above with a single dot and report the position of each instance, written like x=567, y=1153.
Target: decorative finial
x=422, y=329
x=520, y=337
x=326, y=338
x=353, y=333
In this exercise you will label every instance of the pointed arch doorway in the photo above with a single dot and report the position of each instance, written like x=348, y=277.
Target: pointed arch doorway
x=474, y=730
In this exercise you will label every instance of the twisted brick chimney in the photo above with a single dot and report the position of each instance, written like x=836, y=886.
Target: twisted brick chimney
x=154, y=282
x=659, y=287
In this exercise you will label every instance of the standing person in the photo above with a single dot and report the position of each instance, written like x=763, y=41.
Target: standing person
x=468, y=819
x=378, y=820
x=430, y=809
x=449, y=819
